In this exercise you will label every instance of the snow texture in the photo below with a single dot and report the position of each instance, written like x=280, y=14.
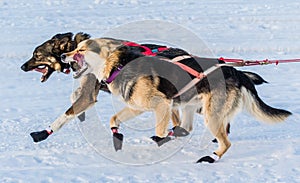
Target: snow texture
x=83, y=152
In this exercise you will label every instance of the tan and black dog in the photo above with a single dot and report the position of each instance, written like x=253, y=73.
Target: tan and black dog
x=150, y=84
x=46, y=59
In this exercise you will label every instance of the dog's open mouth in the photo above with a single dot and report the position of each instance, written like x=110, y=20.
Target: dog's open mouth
x=45, y=70
x=79, y=66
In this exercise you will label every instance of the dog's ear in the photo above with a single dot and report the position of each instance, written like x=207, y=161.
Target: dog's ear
x=61, y=36
x=62, y=42
x=81, y=37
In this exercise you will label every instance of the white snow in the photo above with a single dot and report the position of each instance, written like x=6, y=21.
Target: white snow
x=82, y=152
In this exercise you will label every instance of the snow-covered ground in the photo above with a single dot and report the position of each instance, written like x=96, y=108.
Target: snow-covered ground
x=82, y=152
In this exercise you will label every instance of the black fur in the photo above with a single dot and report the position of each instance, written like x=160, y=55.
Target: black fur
x=180, y=77
x=53, y=48
x=255, y=78
x=172, y=78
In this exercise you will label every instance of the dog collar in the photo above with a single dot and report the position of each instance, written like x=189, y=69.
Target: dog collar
x=113, y=75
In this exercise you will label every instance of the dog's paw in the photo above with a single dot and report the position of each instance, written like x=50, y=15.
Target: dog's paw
x=209, y=159
x=179, y=131
x=118, y=141
x=160, y=141
x=39, y=136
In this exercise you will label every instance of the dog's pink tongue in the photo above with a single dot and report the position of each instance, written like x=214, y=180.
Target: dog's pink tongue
x=41, y=70
x=79, y=58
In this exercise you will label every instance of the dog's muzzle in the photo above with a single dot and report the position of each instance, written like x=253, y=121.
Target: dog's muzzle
x=77, y=63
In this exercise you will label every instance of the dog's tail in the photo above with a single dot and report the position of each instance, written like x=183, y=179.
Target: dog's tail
x=255, y=78
x=260, y=110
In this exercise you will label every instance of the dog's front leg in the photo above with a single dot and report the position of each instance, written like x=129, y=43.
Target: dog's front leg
x=125, y=114
x=188, y=117
x=175, y=117
x=88, y=91
x=75, y=95
x=77, y=108
x=186, y=124
x=89, y=87
x=163, y=112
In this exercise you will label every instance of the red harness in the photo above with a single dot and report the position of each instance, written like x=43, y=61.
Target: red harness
x=148, y=51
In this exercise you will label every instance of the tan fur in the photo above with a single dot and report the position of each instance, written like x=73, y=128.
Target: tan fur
x=144, y=87
x=176, y=117
x=256, y=112
x=215, y=123
x=123, y=115
x=144, y=98
x=57, y=66
x=112, y=62
x=82, y=99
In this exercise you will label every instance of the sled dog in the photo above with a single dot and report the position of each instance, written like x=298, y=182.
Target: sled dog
x=46, y=59
x=150, y=84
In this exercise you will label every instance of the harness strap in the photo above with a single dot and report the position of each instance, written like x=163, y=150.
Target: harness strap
x=231, y=63
x=202, y=75
x=190, y=70
x=198, y=75
x=241, y=62
x=179, y=58
x=147, y=51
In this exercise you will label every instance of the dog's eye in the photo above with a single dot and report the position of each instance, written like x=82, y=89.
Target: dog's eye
x=81, y=50
x=38, y=56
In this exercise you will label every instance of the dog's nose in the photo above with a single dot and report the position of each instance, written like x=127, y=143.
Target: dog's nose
x=63, y=57
x=24, y=67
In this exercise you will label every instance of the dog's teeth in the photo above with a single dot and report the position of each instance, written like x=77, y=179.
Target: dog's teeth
x=41, y=66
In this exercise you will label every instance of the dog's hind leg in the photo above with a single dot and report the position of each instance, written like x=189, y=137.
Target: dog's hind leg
x=216, y=127
x=199, y=111
x=215, y=118
x=227, y=131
